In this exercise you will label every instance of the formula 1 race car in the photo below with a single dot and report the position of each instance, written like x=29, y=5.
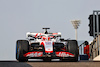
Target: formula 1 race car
x=46, y=46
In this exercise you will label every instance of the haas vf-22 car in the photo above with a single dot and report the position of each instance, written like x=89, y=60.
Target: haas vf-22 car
x=46, y=46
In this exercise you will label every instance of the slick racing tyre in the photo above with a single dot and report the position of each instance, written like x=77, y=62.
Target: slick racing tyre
x=73, y=48
x=21, y=49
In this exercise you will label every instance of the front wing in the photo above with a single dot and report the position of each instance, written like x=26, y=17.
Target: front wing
x=37, y=54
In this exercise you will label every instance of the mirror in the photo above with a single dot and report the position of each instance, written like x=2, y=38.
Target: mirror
x=30, y=36
x=31, y=39
x=62, y=39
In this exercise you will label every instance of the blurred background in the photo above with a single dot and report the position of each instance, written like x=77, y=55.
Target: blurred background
x=17, y=17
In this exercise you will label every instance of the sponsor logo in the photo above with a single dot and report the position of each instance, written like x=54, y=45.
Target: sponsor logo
x=34, y=54
x=64, y=54
x=48, y=43
x=48, y=47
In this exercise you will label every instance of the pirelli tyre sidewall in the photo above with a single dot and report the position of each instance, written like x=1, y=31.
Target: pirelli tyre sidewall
x=21, y=49
x=73, y=48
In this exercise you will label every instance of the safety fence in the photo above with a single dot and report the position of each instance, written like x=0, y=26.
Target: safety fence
x=81, y=49
x=94, y=48
x=84, y=51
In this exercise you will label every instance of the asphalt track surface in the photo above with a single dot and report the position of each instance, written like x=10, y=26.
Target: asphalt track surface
x=49, y=64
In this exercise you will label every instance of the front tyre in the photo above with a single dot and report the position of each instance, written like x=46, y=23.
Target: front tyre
x=73, y=48
x=21, y=49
